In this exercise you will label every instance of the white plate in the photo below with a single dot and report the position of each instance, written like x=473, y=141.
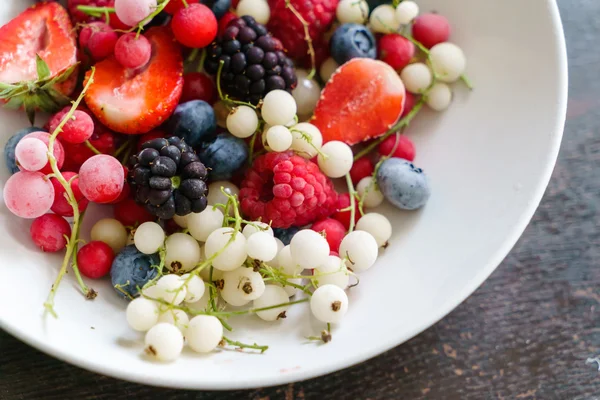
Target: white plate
x=489, y=158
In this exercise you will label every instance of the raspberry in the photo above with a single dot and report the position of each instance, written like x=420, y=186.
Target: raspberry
x=287, y=27
x=286, y=189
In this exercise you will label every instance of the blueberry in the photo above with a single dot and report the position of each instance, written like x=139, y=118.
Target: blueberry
x=193, y=121
x=352, y=41
x=285, y=235
x=9, y=148
x=131, y=269
x=218, y=7
x=224, y=155
x=403, y=184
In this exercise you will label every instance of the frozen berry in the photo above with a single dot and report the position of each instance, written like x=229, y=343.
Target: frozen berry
x=101, y=178
x=59, y=151
x=98, y=40
x=50, y=232
x=133, y=50
x=77, y=129
x=61, y=205
x=95, y=259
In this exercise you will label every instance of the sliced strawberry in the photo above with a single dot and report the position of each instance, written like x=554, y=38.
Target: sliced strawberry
x=42, y=30
x=361, y=101
x=137, y=101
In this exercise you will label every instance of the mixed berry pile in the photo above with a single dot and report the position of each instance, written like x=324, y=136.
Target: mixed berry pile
x=216, y=130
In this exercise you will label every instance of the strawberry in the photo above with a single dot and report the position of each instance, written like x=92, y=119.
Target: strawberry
x=283, y=24
x=361, y=101
x=38, y=59
x=137, y=101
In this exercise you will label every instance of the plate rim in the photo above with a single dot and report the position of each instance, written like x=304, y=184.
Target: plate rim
x=467, y=290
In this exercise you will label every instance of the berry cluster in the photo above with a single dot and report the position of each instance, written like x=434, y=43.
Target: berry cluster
x=169, y=178
x=221, y=183
x=250, y=61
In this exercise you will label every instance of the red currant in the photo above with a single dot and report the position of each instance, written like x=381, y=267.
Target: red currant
x=77, y=129
x=133, y=51
x=49, y=232
x=176, y=5
x=404, y=148
x=95, y=259
x=409, y=104
x=431, y=29
x=59, y=150
x=130, y=213
x=343, y=202
x=61, y=206
x=395, y=50
x=333, y=230
x=361, y=168
x=198, y=86
x=98, y=40
x=101, y=178
x=194, y=26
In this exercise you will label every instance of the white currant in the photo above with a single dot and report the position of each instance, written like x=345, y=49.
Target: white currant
x=367, y=188
x=149, y=237
x=231, y=249
x=164, y=342
x=309, y=249
x=360, y=250
x=110, y=231
x=202, y=224
x=241, y=286
x=142, y=314
x=335, y=159
x=416, y=77
x=242, y=122
x=204, y=333
x=329, y=304
x=182, y=252
x=272, y=296
x=278, y=108
x=261, y=246
x=377, y=225
x=279, y=138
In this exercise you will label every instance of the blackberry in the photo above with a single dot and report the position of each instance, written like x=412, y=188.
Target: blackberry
x=253, y=61
x=168, y=178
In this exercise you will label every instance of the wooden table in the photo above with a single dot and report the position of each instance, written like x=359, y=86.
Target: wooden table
x=525, y=334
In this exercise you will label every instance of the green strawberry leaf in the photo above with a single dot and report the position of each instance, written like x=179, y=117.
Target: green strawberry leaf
x=43, y=70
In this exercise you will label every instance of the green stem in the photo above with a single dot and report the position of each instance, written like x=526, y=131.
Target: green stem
x=200, y=67
x=397, y=126
x=352, y=194
x=92, y=148
x=96, y=11
x=244, y=345
x=49, y=304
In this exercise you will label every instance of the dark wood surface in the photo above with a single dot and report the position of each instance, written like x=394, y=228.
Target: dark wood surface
x=525, y=334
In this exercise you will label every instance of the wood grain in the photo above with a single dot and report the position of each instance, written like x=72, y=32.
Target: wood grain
x=525, y=334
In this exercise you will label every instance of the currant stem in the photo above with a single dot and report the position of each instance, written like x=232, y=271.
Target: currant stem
x=72, y=243
x=307, y=38
x=92, y=148
x=96, y=11
x=397, y=126
x=352, y=193
x=244, y=345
